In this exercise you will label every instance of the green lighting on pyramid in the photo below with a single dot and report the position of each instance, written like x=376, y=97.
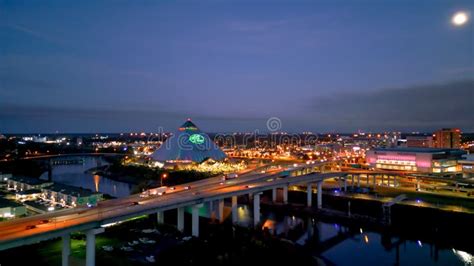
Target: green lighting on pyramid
x=196, y=139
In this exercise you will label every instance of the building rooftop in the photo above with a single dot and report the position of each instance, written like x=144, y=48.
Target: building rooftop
x=30, y=180
x=29, y=192
x=8, y=203
x=421, y=150
x=72, y=191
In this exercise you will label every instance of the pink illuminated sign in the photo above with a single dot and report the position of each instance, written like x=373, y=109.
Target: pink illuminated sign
x=397, y=157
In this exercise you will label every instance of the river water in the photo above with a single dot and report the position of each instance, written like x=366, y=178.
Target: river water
x=335, y=244
x=74, y=175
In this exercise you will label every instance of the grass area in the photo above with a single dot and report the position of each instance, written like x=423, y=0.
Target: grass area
x=49, y=252
x=429, y=197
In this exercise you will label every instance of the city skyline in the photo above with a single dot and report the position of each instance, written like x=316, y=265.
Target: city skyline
x=322, y=67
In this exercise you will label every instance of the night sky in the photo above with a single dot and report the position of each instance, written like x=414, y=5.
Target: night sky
x=323, y=66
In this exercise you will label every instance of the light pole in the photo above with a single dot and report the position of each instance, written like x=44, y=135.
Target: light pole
x=164, y=175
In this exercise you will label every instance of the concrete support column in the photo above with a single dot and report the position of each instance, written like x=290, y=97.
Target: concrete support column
x=234, y=209
x=256, y=209
x=358, y=180
x=368, y=179
x=221, y=210
x=374, y=181
x=160, y=217
x=212, y=210
x=195, y=220
x=345, y=184
x=382, y=177
x=309, y=194
x=285, y=195
x=274, y=195
x=388, y=180
x=352, y=181
x=90, y=248
x=90, y=245
x=180, y=222
x=320, y=195
x=66, y=251
x=417, y=185
x=395, y=181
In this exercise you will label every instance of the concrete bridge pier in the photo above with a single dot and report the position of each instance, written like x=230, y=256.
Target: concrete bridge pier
x=66, y=251
x=160, y=217
x=90, y=245
x=358, y=180
x=212, y=210
x=382, y=178
x=309, y=194
x=274, y=195
x=220, y=205
x=320, y=195
x=180, y=222
x=234, y=210
x=345, y=184
x=285, y=195
x=352, y=181
x=195, y=220
x=374, y=181
x=368, y=179
x=256, y=209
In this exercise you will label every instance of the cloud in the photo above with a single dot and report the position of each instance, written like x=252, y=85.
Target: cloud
x=424, y=107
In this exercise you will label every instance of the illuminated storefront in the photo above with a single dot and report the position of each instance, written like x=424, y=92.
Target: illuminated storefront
x=415, y=159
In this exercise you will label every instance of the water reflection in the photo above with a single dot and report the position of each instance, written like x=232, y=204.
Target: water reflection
x=74, y=175
x=335, y=244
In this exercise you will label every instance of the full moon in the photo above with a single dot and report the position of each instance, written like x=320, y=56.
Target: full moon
x=460, y=18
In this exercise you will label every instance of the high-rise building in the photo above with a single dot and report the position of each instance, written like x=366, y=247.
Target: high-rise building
x=448, y=138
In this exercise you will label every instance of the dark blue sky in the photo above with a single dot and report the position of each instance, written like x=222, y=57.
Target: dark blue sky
x=113, y=66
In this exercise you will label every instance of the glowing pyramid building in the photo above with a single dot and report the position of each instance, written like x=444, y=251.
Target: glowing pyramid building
x=188, y=144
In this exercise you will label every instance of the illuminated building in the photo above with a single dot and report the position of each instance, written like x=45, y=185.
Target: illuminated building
x=426, y=160
x=449, y=138
x=467, y=165
x=72, y=196
x=419, y=142
x=26, y=183
x=188, y=144
x=10, y=209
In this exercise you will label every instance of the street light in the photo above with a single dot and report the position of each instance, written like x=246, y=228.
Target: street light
x=164, y=175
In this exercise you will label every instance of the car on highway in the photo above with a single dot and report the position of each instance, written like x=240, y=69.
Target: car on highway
x=30, y=226
x=135, y=203
x=187, y=187
x=230, y=176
